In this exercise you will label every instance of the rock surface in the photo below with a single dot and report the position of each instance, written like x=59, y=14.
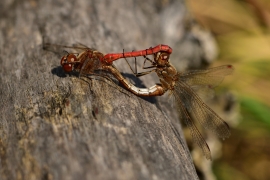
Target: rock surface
x=55, y=126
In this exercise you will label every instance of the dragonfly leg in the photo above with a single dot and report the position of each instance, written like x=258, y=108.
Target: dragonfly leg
x=106, y=79
x=140, y=73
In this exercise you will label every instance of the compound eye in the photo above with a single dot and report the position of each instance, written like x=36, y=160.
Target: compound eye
x=65, y=63
x=63, y=60
x=71, y=58
x=165, y=57
x=67, y=67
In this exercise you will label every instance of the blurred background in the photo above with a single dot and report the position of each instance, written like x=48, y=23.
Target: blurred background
x=242, y=32
x=241, y=29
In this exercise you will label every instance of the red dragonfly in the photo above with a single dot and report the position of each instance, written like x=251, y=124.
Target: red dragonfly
x=109, y=58
x=182, y=85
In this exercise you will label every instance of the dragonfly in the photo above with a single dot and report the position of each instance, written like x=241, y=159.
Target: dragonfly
x=183, y=86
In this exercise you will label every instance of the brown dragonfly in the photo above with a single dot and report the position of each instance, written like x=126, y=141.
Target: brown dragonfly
x=183, y=86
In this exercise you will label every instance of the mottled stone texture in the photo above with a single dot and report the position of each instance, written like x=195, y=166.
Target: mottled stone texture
x=55, y=126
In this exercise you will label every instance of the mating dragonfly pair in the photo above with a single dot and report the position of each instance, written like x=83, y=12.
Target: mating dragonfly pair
x=182, y=85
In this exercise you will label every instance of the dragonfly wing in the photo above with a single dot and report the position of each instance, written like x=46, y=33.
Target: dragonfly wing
x=203, y=82
x=203, y=91
x=210, y=77
x=79, y=45
x=200, y=111
x=195, y=133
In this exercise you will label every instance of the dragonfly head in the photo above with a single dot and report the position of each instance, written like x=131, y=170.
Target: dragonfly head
x=162, y=58
x=68, y=61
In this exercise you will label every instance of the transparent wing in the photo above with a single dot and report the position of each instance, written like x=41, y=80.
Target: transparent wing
x=195, y=133
x=193, y=108
x=210, y=77
x=204, y=81
x=81, y=47
x=62, y=49
x=200, y=111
